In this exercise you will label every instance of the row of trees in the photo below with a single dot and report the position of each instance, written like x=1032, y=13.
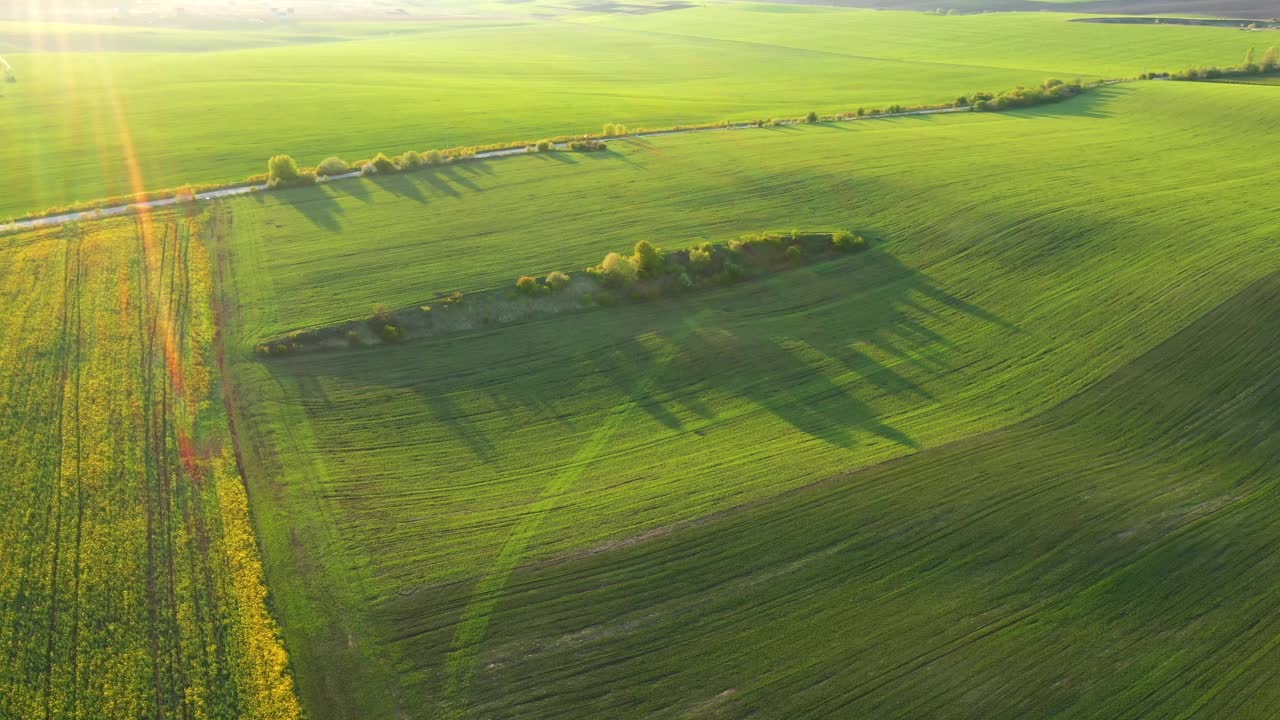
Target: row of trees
x=1051, y=91
x=1250, y=66
x=650, y=271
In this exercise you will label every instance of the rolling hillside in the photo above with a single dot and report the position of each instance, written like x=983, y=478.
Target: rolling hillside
x=980, y=416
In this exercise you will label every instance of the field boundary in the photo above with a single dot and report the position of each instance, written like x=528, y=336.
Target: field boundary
x=100, y=209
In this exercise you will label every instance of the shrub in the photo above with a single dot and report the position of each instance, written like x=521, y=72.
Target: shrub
x=699, y=259
x=811, y=118
x=381, y=164
x=848, y=242
x=331, y=166
x=382, y=315
x=544, y=146
x=558, y=281
x=282, y=167
x=432, y=157
x=282, y=171
x=647, y=259
x=587, y=145
x=527, y=285
x=614, y=129
x=391, y=334
x=410, y=160
x=794, y=254
x=617, y=269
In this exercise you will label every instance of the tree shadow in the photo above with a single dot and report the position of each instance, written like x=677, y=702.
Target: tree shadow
x=400, y=186
x=562, y=156
x=452, y=174
x=438, y=184
x=317, y=204
x=358, y=188
x=475, y=166
x=818, y=348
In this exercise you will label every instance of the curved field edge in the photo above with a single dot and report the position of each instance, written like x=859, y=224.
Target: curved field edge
x=132, y=584
x=1015, y=279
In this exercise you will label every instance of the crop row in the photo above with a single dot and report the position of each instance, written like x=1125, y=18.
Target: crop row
x=136, y=590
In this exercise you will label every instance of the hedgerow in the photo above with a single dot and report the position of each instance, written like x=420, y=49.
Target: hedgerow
x=648, y=272
x=1270, y=63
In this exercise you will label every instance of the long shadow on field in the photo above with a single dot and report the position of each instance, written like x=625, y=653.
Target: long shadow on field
x=401, y=186
x=452, y=174
x=826, y=350
x=316, y=204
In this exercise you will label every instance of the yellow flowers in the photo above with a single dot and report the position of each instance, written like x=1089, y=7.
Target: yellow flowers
x=129, y=578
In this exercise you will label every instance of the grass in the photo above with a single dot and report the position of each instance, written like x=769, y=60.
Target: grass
x=86, y=122
x=1112, y=557
x=132, y=585
x=597, y=513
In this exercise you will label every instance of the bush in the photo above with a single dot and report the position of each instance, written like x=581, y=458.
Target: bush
x=618, y=270
x=848, y=242
x=544, y=146
x=391, y=334
x=282, y=167
x=614, y=129
x=811, y=118
x=587, y=146
x=380, y=165
x=527, y=285
x=794, y=254
x=433, y=157
x=382, y=315
x=647, y=259
x=282, y=171
x=699, y=259
x=410, y=160
x=558, y=281
x=331, y=166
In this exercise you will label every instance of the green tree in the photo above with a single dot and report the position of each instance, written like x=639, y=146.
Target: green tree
x=282, y=168
x=647, y=260
x=1248, y=59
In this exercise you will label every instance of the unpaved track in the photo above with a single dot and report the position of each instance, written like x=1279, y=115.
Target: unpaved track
x=100, y=213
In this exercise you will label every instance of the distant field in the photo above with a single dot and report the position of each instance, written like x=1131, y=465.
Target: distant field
x=521, y=521
x=130, y=108
x=131, y=584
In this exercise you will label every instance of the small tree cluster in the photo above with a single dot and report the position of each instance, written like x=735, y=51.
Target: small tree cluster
x=587, y=145
x=614, y=130
x=1051, y=91
x=332, y=166
x=1270, y=63
x=283, y=171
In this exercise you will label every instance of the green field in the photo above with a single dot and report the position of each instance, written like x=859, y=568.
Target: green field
x=992, y=468
x=1016, y=459
x=100, y=112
